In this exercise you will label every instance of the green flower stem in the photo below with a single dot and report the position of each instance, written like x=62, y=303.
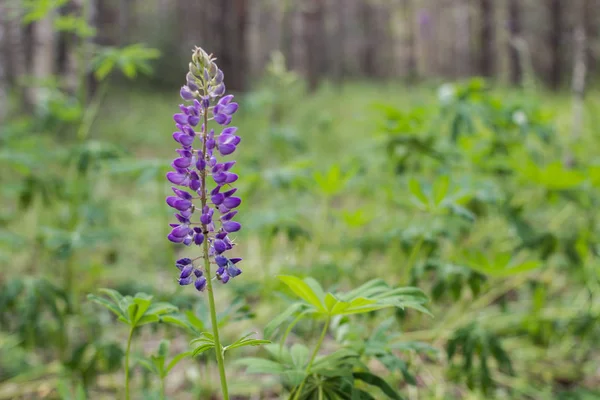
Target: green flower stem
x=162, y=389
x=215, y=327
x=127, y=394
x=312, y=358
x=209, y=286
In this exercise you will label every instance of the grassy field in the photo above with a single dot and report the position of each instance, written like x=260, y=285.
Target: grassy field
x=481, y=198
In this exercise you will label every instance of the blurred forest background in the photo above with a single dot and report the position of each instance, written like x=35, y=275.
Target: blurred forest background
x=450, y=145
x=506, y=40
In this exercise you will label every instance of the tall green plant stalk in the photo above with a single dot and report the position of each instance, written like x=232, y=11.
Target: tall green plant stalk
x=127, y=372
x=209, y=286
x=312, y=358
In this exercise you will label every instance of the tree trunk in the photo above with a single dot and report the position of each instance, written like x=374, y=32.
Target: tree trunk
x=368, y=59
x=590, y=11
x=337, y=38
x=3, y=62
x=314, y=37
x=487, y=59
x=17, y=53
x=579, y=70
x=297, y=40
x=234, y=62
x=409, y=40
x=124, y=20
x=67, y=50
x=514, y=26
x=462, y=49
x=43, y=52
x=554, y=39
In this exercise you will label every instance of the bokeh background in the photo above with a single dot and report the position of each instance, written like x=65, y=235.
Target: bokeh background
x=446, y=144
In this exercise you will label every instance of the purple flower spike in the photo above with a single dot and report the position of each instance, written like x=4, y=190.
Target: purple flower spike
x=186, y=93
x=194, y=120
x=221, y=261
x=228, y=216
x=232, y=202
x=176, y=178
x=198, y=238
x=181, y=231
x=232, y=270
x=206, y=218
x=181, y=118
x=200, y=284
x=204, y=95
x=182, y=262
x=179, y=204
x=185, y=281
x=186, y=271
x=231, y=226
x=219, y=246
x=183, y=139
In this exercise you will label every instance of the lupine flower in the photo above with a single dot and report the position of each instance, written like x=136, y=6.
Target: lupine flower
x=196, y=204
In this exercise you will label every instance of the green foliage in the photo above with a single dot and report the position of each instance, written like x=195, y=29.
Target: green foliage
x=372, y=296
x=133, y=311
x=477, y=347
x=466, y=197
x=157, y=363
x=336, y=374
x=34, y=309
x=130, y=60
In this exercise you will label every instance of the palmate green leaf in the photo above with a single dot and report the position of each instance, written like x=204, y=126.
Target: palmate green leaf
x=377, y=295
x=509, y=269
x=147, y=319
x=365, y=290
x=115, y=296
x=272, y=326
x=330, y=301
x=196, y=322
x=376, y=381
x=371, y=296
x=294, y=376
x=500, y=265
x=440, y=189
x=137, y=307
x=129, y=59
x=303, y=290
x=136, y=311
x=148, y=365
x=334, y=360
x=161, y=308
x=108, y=305
x=299, y=354
x=201, y=348
x=261, y=366
x=280, y=353
x=36, y=10
x=180, y=320
x=392, y=363
x=176, y=360
x=316, y=288
x=418, y=347
x=417, y=191
x=246, y=341
x=205, y=342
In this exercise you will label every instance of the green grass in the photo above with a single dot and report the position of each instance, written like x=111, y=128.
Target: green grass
x=322, y=198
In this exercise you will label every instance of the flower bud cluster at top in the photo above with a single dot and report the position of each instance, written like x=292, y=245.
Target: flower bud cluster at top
x=195, y=164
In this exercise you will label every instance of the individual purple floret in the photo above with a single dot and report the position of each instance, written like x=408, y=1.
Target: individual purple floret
x=204, y=214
